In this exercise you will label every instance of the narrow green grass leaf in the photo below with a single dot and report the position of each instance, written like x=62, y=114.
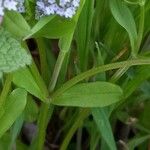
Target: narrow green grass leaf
x=83, y=33
x=137, y=141
x=14, y=106
x=103, y=124
x=78, y=121
x=97, y=94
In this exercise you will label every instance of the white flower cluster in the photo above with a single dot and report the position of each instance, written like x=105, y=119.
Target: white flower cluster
x=65, y=8
x=16, y=5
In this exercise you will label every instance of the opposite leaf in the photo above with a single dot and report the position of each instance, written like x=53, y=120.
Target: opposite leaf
x=12, y=54
x=97, y=94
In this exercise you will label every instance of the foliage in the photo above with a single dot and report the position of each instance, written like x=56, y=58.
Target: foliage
x=82, y=82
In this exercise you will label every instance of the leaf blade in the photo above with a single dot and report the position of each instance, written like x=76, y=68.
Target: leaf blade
x=97, y=94
x=14, y=106
x=103, y=124
x=124, y=17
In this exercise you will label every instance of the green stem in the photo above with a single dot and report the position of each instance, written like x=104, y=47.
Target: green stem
x=5, y=91
x=45, y=114
x=44, y=117
x=118, y=74
x=57, y=69
x=43, y=59
x=46, y=110
x=97, y=70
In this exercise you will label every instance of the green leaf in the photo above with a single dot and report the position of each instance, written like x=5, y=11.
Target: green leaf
x=39, y=25
x=144, y=119
x=103, y=124
x=137, y=141
x=31, y=110
x=12, y=55
x=5, y=140
x=56, y=28
x=15, y=130
x=83, y=33
x=96, y=94
x=16, y=24
x=24, y=79
x=125, y=18
x=142, y=74
x=14, y=106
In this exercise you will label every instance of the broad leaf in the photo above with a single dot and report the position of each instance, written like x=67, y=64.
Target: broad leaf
x=97, y=94
x=14, y=106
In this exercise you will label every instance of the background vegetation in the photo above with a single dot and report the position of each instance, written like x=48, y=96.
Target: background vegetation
x=88, y=84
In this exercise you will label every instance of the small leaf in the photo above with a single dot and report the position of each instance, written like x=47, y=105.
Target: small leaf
x=14, y=106
x=12, y=55
x=24, y=79
x=125, y=18
x=97, y=94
